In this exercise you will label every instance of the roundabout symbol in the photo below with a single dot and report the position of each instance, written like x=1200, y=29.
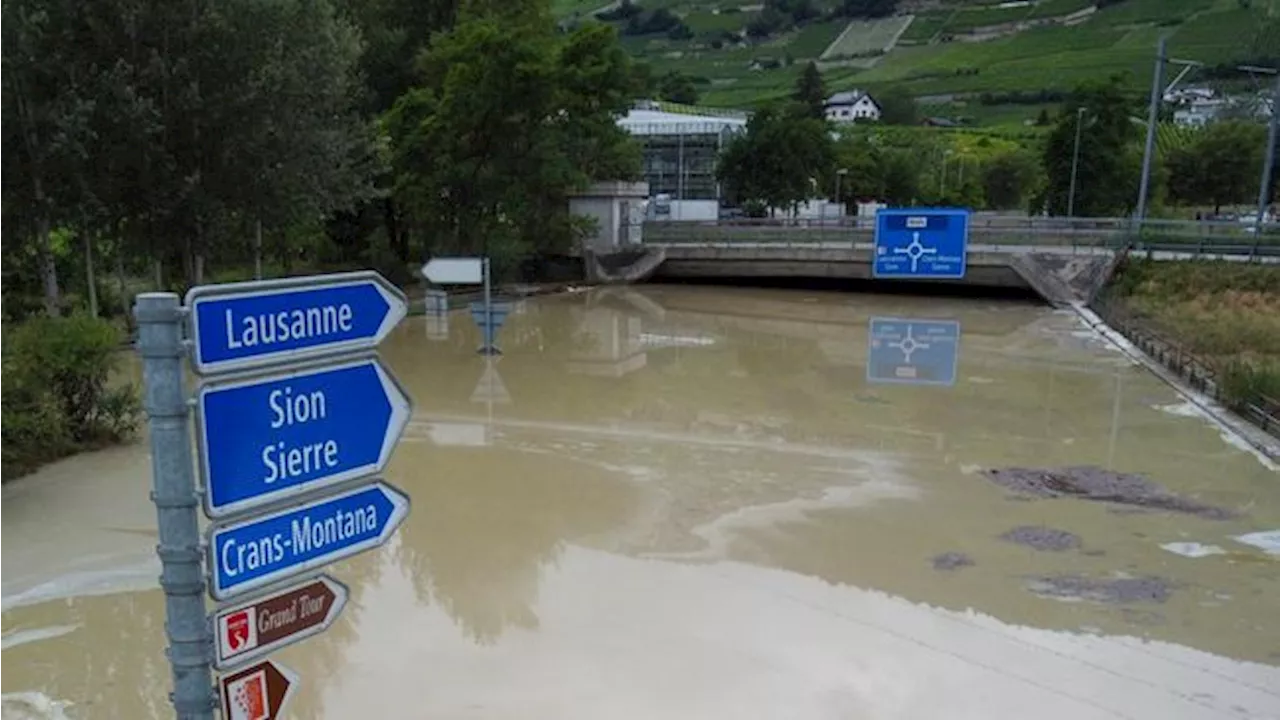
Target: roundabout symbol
x=915, y=251
x=909, y=345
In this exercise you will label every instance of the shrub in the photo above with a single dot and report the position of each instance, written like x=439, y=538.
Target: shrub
x=72, y=360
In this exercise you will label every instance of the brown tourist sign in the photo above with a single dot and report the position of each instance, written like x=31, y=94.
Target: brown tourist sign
x=256, y=627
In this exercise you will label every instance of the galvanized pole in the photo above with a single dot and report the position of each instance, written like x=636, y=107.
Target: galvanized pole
x=1268, y=161
x=159, y=317
x=1075, y=164
x=1153, y=116
x=488, y=309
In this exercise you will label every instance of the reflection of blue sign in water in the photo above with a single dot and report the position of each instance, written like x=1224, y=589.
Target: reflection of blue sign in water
x=259, y=323
x=268, y=438
x=921, y=243
x=916, y=352
x=252, y=553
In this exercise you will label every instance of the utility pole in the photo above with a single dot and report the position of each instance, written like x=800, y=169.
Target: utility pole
x=1075, y=165
x=1153, y=117
x=1268, y=161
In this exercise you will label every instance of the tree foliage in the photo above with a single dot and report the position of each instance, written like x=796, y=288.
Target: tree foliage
x=1106, y=169
x=779, y=159
x=811, y=92
x=508, y=118
x=1220, y=166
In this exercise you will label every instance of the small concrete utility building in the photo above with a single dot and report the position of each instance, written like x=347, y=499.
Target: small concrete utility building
x=618, y=210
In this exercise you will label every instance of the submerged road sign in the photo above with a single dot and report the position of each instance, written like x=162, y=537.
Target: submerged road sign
x=489, y=317
x=254, y=324
x=258, y=692
x=921, y=243
x=913, y=352
x=252, y=553
x=255, y=628
x=269, y=438
x=454, y=271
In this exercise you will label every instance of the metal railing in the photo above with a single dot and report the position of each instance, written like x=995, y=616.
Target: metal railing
x=1195, y=238
x=1259, y=409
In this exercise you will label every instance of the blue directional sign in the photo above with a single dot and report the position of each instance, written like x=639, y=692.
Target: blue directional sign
x=249, y=554
x=921, y=243
x=269, y=438
x=914, y=352
x=253, y=324
x=489, y=322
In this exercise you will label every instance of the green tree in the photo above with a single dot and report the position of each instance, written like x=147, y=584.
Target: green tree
x=780, y=157
x=509, y=117
x=677, y=87
x=897, y=107
x=868, y=8
x=1009, y=178
x=46, y=129
x=1105, y=165
x=810, y=91
x=1219, y=167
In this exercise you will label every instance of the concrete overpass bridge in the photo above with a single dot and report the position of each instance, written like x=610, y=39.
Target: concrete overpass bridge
x=1064, y=261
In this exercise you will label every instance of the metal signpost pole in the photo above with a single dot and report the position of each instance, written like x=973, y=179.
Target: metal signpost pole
x=1153, y=116
x=160, y=317
x=488, y=309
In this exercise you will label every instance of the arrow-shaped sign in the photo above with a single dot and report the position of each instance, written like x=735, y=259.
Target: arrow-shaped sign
x=255, y=628
x=454, y=271
x=254, y=324
x=258, y=692
x=267, y=549
x=274, y=437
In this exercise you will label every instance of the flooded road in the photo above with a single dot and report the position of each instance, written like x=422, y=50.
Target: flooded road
x=687, y=502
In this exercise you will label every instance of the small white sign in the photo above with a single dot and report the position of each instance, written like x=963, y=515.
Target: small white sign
x=454, y=271
x=917, y=223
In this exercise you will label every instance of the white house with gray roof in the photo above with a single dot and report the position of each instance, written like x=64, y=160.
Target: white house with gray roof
x=851, y=106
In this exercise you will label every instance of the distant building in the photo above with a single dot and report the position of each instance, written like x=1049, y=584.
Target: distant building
x=851, y=106
x=681, y=151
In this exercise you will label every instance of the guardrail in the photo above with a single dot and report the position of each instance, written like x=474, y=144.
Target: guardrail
x=1259, y=409
x=1196, y=238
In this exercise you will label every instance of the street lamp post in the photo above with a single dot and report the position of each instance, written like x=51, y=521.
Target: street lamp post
x=942, y=184
x=1075, y=165
x=839, y=200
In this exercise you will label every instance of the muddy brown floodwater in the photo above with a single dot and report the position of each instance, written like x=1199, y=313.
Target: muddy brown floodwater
x=681, y=502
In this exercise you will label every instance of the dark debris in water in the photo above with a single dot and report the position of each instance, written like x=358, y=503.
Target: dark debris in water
x=951, y=561
x=1042, y=538
x=1150, y=588
x=1095, y=483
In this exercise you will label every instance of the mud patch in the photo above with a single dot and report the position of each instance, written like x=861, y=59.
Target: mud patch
x=951, y=561
x=1094, y=483
x=1150, y=589
x=1042, y=538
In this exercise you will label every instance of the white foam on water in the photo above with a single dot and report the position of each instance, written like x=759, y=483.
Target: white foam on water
x=32, y=705
x=1267, y=540
x=22, y=637
x=1193, y=549
x=1189, y=409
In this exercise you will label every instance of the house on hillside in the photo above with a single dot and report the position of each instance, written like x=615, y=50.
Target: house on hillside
x=852, y=106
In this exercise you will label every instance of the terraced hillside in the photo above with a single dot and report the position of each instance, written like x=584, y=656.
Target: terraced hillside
x=744, y=54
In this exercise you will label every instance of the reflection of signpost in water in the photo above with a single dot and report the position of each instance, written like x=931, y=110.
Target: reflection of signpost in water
x=912, y=352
